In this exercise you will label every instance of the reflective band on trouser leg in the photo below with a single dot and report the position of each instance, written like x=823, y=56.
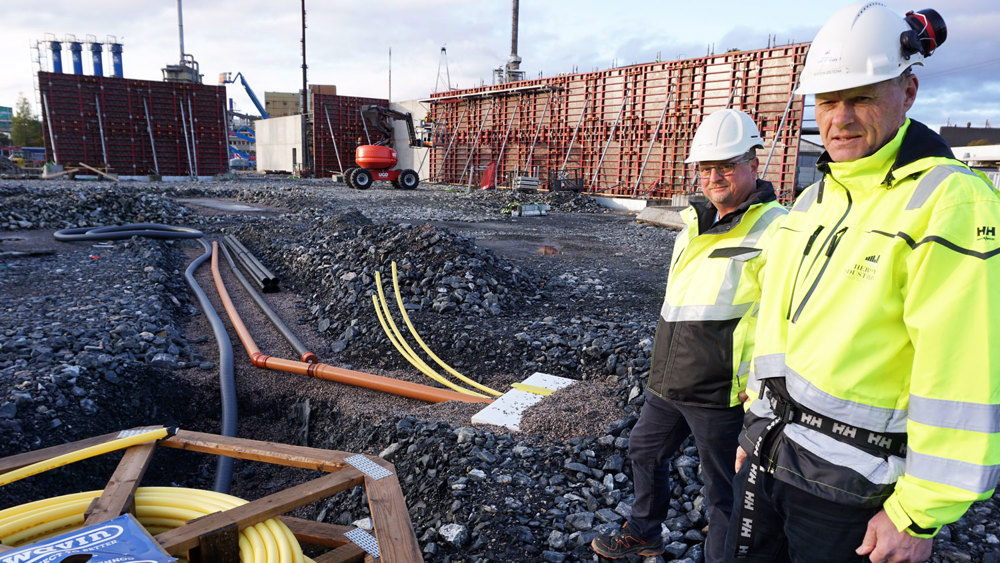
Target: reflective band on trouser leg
x=746, y=510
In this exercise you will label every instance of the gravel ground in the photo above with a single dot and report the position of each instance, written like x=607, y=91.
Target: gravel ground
x=95, y=337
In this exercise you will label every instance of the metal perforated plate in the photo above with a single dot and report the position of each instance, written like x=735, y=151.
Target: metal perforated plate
x=364, y=540
x=137, y=431
x=368, y=467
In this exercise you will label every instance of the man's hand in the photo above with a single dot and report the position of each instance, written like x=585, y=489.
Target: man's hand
x=740, y=456
x=886, y=544
x=743, y=396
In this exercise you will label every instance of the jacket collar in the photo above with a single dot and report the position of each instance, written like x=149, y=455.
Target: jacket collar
x=705, y=211
x=914, y=141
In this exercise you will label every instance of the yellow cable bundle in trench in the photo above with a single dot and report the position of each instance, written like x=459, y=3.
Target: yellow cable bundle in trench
x=158, y=509
x=397, y=340
x=420, y=341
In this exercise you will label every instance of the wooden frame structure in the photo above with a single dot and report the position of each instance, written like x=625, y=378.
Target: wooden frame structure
x=214, y=538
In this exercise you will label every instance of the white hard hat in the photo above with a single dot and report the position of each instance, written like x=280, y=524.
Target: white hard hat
x=724, y=134
x=859, y=45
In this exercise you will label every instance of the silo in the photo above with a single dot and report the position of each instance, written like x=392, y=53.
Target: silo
x=116, y=60
x=56, y=48
x=95, y=51
x=77, y=49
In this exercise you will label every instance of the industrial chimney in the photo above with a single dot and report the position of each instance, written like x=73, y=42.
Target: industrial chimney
x=512, y=71
x=186, y=70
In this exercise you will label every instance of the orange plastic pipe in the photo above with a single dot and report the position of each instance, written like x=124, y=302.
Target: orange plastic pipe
x=324, y=371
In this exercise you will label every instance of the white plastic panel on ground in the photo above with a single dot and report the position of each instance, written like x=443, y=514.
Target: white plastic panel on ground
x=508, y=408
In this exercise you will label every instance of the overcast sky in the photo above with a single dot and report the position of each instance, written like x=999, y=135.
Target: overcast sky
x=348, y=42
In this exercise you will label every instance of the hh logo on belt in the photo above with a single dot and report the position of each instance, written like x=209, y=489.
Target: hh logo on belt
x=986, y=233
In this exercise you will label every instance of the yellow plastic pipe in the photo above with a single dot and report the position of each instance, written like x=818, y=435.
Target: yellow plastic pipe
x=406, y=351
x=399, y=348
x=83, y=453
x=410, y=353
x=420, y=341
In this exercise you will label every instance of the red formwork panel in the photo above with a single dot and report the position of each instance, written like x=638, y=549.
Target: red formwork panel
x=626, y=131
x=347, y=128
x=134, y=127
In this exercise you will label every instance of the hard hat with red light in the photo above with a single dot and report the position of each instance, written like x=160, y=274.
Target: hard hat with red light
x=866, y=43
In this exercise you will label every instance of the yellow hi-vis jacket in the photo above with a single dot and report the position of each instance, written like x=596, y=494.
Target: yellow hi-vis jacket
x=704, y=336
x=882, y=311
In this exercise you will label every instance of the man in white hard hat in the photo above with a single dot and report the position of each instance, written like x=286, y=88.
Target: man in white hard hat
x=703, y=337
x=877, y=357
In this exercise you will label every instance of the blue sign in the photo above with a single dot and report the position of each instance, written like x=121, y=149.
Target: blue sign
x=121, y=540
x=6, y=118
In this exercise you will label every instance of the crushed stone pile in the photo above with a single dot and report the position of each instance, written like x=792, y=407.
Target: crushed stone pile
x=57, y=207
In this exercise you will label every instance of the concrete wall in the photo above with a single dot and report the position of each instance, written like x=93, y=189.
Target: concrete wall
x=415, y=158
x=277, y=138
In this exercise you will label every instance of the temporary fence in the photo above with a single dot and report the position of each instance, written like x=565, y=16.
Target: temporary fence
x=134, y=126
x=624, y=131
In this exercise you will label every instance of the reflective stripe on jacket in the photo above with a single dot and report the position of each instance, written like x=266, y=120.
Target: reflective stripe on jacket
x=704, y=335
x=881, y=311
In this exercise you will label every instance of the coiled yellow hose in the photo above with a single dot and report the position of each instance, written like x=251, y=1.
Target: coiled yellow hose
x=158, y=509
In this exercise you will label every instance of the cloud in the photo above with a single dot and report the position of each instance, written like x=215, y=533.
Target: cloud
x=348, y=42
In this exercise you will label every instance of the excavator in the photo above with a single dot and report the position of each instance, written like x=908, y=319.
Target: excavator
x=377, y=159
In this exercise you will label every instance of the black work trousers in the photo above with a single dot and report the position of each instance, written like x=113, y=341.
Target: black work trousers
x=662, y=428
x=791, y=525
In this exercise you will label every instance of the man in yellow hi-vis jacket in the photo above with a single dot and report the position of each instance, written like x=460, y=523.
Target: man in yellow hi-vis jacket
x=703, y=338
x=877, y=356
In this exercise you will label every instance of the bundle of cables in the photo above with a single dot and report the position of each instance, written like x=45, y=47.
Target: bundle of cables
x=158, y=509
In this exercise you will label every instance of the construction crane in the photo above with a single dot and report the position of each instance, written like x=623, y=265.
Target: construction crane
x=238, y=158
x=376, y=158
x=228, y=78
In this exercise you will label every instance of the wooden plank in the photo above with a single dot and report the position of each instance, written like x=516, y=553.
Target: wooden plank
x=60, y=173
x=101, y=172
x=220, y=546
x=325, y=535
x=10, y=463
x=317, y=533
x=349, y=553
x=256, y=450
x=397, y=542
x=184, y=538
x=119, y=495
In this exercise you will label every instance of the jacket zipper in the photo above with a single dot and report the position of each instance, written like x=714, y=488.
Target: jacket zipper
x=829, y=254
x=805, y=254
x=831, y=245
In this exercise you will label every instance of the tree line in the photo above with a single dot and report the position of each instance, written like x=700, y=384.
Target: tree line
x=26, y=127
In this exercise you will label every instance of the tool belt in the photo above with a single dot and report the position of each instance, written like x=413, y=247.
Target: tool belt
x=786, y=411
